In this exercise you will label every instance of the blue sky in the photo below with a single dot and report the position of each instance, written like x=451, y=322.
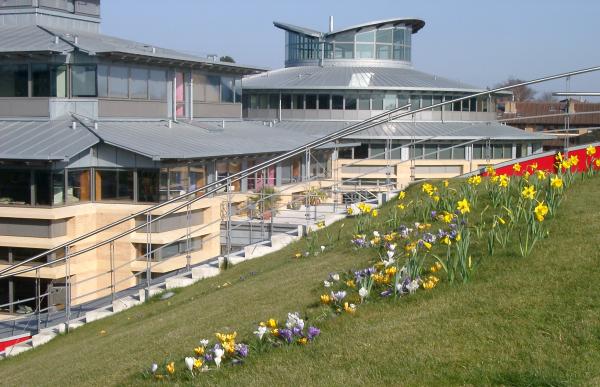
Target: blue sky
x=479, y=42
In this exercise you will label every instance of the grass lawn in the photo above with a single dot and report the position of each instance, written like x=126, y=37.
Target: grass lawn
x=521, y=321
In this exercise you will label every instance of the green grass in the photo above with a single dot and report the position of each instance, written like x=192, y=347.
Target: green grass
x=531, y=321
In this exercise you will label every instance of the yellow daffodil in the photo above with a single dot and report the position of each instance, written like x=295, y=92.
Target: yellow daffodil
x=447, y=217
x=427, y=245
x=446, y=240
x=517, y=167
x=597, y=162
x=374, y=213
x=171, y=368
x=446, y=183
x=401, y=206
x=541, y=210
x=474, y=180
x=401, y=195
x=541, y=175
x=463, y=206
x=502, y=221
x=321, y=224
x=436, y=198
x=559, y=157
x=503, y=181
x=533, y=166
x=491, y=171
x=574, y=160
x=297, y=255
x=528, y=192
x=590, y=150
x=556, y=182
x=350, y=211
x=526, y=175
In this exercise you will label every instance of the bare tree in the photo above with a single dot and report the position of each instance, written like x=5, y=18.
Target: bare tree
x=520, y=93
x=547, y=97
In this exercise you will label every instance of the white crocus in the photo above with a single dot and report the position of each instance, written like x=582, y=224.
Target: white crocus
x=363, y=292
x=390, y=254
x=154, y=367
x=260, y=332
x=204, y=342
x=189, y=363
x=322, y=248
x=219, y=352
x=376, y=234
x=335, y=277
x=392, y=247
x=327, y=284
x=413, y=286
x=389, y=262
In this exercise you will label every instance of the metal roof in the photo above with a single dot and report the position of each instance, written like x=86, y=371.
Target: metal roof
x=352, y=78
x=183, y=140
x=30, y=39
x=43, y=140
x=416, y=25
x=300, y=30
x=42, y=39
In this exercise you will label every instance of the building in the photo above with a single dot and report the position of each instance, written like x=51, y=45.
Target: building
x=95, y=128
x=333, y=78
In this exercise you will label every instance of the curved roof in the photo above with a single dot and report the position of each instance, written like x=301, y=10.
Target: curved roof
x=416, y=25
x=300, y=30
x=352, y=78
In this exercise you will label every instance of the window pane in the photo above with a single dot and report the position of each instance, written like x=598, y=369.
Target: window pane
x=389, y=102
x=324, y=101
x=13, y=81
x=286, y=101
x=299, y=101
x=40, y=79
x=213, y=88
x=15, y=187
x=426, y=100
x=445, y=151
x=78, y=186
x=42, y=188
x=458, y=153
x=430, y=151
x=263, y=101
x=343, y=51
x=274, y=101
x=118, y=82
x=226, y=89
x=351, y=102
x=125, y=188
x=368, y=36
x=415, y=102
x=364, y=102
x=311, y=101
x=385, y=36
x=365, y=51
x=337, y=102
x=157, y=85
x=378, y=152
x=402, y=100
x=102, y=81
x=83, y=81
x=58, y=187
x=139, y=83
x=384, y=51
x=377, y=102
x=148, y=185
x=437, y=99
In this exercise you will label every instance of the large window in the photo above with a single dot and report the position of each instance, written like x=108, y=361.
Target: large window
x=324, y=101
x=157, y=85
x=48, y=80
x=227, y=89
x=139, y=83
x=286, y=101
x=15, y=187
x=148, y=180
x=364, y=102
x=114, y=185
x=78, y=186
x=299, y=101
x=13, y=80
x=337, y=102
x=213, y=88
x=301, y=47
x=118, y=82
x=83, y=81
x=311, y=101
x=387, y=43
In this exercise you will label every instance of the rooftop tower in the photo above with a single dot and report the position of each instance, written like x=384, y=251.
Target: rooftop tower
x=77, y=15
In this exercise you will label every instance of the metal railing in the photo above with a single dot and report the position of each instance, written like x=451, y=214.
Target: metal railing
x=185, y=201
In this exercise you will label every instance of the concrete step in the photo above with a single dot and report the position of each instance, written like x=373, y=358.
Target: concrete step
x=205, y=271
x=179, y=282
x=256, y=250
x=42, y=338
x=124, y=303
x=279, y=241
x=74, y=324
x=97, y=315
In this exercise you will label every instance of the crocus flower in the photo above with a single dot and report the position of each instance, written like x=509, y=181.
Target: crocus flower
x=322, y=248
x=327, y=284
x=154, y=367
x=363, y=292
x=286, y=334
x=260, y=332
x=219, y=352
x=171, y=368
x=390, y=254
x=338, y=296
x=313, y=332
x=376, y=234
x=204, y=342
x=241, y=350
x=189, y=363
x=334, y=277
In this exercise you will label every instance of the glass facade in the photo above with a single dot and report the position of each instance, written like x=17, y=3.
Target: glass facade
x=300, y=47
x=387, y=43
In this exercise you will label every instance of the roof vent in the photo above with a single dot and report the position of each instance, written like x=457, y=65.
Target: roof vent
x=74, y=125
x=95, y=125
x=170, y=124
x=56, y=40
x=76, y=39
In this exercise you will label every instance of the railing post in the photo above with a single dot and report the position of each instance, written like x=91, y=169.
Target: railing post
x=38, y=301
x=148, y=253
x=188, y=245
x=112, y=271
x=228, y=236
x=67, y=288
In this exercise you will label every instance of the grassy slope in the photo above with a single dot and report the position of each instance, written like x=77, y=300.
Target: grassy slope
x=533, y=321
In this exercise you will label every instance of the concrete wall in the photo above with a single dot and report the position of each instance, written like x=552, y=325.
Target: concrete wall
x=132, y=108
x=24, y=107
x=217, y=110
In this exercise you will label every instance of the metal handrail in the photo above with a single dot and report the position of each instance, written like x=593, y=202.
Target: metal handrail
x=373, y=121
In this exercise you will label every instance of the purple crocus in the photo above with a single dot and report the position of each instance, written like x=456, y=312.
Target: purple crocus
x=386, y=293
x=208, y=357
x=297, y=331
x=286, y=334
x=433, y=214
x=313, y=332
x=241, y=350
